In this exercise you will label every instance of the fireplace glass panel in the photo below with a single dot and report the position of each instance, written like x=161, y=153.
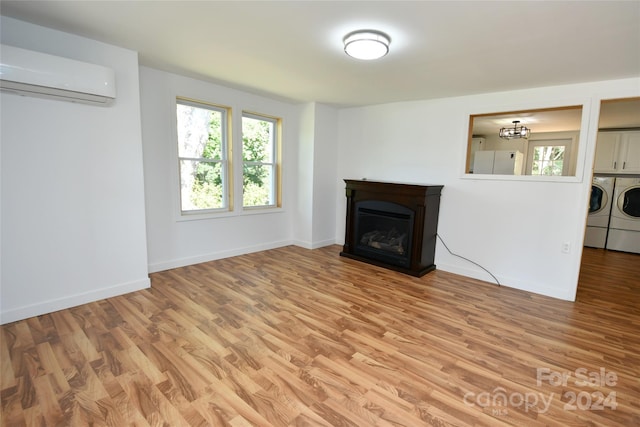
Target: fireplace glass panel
x=384, y=232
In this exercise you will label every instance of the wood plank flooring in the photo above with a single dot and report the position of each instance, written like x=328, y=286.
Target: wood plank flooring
x=296, y=337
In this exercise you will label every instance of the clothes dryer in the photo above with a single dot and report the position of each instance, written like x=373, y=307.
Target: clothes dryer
x=599, y=210
x=624, y=225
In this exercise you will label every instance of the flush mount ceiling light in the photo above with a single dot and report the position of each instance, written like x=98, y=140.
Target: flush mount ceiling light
x=366, y=44
x=515, y=132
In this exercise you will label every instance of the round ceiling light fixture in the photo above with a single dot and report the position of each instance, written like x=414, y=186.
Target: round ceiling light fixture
x=366, y=44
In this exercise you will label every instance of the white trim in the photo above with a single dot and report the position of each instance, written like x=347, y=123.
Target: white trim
x=254, y=210
x=507, y=282
x=182, y=262
x=72, y=301
x=315, y=245
x=567, y=143
x=197, y=259
x=524, y=178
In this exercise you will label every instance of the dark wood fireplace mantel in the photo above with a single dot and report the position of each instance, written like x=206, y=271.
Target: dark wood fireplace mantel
x=373, y=204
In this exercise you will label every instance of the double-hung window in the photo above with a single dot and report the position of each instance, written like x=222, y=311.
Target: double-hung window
x=203, y=156
x=549, y=157
x=260, y=156
x=205, y=161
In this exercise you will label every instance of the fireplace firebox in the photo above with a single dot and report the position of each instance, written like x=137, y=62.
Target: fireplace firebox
x=392, y=225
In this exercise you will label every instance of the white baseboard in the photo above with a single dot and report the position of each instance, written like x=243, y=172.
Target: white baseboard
x=509, y=282
x=182, y=262
x=478, y=273
x=50, y=306
x=314, y=245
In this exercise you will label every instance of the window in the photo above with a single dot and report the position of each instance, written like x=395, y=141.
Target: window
x=549, y=158
x=260, y=156
x=547, y=161
x=203, y=153
x=205, y=163
x=557, y=126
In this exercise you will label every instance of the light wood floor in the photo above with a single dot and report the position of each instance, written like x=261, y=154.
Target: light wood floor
x=293, y=337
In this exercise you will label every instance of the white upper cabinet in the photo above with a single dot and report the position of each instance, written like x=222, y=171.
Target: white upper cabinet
x=631, y=153
x=618, y=152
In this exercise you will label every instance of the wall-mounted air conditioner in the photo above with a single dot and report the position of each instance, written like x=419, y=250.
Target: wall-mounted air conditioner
x=39, y=74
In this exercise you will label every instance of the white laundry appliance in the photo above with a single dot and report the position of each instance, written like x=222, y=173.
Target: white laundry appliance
x=624, y=225
x=599, y=211
x=498, y=162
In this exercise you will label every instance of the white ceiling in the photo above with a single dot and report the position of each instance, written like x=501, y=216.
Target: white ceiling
x=293, y=50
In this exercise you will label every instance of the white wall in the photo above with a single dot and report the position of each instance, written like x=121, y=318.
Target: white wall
x=73, y=225
x=514, y=228
x=325, y=170
x=73, y=201
x=316, y=178
x=303, y=218
x=176, y=241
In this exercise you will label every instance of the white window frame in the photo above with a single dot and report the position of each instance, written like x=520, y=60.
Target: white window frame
x=226, y=166
x=567, y=143
x=275, y=163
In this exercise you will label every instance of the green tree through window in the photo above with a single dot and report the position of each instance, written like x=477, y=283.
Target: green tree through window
x=259, y=145
x=548, y=160
x=202, y=153
x=205, y=164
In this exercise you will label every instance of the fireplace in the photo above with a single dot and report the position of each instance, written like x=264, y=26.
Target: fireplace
x=383, y=231
x=392, y=225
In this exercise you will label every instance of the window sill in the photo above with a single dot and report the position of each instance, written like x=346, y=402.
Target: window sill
x=522, y=178
x=258, y=210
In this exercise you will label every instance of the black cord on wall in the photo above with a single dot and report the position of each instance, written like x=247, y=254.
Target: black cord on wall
x=467, y=259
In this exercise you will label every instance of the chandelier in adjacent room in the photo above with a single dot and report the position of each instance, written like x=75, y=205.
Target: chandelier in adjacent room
x=515, y=132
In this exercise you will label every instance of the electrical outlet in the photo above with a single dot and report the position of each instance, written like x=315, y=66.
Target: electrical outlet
x=566, y=247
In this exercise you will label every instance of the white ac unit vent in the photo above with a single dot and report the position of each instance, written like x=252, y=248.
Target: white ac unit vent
x=39, y=74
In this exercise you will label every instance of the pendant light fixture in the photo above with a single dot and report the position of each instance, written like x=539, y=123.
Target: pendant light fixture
x=366, y=44
x=515, y=132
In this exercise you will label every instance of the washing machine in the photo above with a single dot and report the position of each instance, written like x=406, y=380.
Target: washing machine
x=624, y=225
x=599, y=210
